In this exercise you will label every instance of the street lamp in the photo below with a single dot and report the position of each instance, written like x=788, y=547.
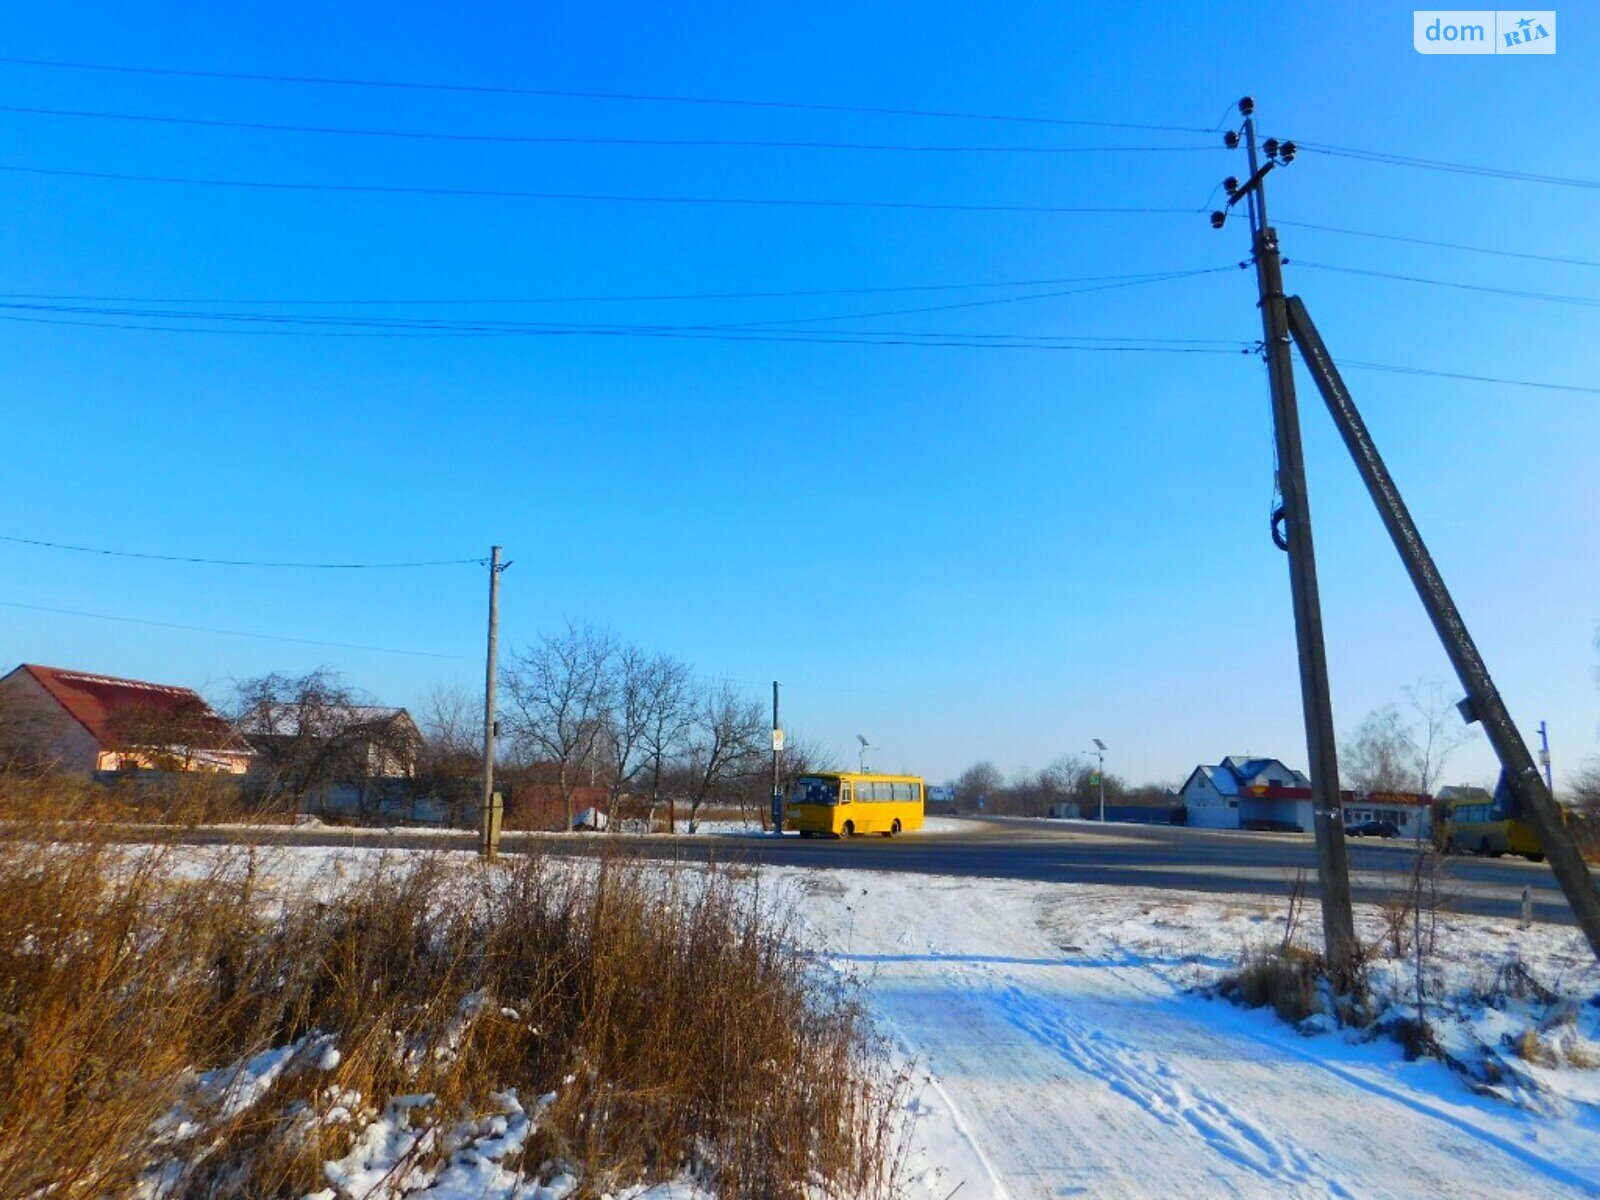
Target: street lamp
x=865, y=746
x=1100, y=751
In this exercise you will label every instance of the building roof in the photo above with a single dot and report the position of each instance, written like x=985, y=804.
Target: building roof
x=1467, y=792
x=96, y=701
x=284, y=720
x=1236, y=772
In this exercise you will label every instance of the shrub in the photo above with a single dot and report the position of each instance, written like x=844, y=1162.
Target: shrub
x=1285, y=977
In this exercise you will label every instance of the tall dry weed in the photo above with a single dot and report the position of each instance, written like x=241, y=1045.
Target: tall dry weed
x=672, y=1015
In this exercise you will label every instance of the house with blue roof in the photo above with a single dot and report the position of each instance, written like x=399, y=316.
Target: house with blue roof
x=1244, y=792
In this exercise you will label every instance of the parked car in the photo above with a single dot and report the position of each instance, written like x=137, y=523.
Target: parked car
x=1385, y=829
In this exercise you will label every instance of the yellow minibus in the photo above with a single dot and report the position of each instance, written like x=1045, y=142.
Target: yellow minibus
x=844, y=804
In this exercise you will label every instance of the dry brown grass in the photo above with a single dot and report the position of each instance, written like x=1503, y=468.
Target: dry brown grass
x=1284, y=977
x=1532, y=1048
x=186, y=798
x=675, y=1019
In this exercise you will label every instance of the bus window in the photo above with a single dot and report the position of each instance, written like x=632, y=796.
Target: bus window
x=844, y=793
x=812, y=789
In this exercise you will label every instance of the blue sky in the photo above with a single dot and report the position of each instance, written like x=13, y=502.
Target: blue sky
x=960, y=552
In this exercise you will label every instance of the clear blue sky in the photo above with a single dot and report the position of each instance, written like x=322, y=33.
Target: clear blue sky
x=960, y=552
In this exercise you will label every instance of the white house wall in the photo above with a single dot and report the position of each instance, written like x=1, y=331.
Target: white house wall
x=72, y=746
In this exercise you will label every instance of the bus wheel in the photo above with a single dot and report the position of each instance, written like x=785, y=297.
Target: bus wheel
x=895, y=828
x=1534, y=857
x=1483, y=847
x=849, y=829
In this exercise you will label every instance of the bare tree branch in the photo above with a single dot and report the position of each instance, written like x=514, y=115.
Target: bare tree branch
x=560, y=696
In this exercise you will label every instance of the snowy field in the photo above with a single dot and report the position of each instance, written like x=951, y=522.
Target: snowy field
x=1063, y=1045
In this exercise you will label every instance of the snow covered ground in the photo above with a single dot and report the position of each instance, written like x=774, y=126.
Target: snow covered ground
x=1061, y=1053
x=1061, y=1046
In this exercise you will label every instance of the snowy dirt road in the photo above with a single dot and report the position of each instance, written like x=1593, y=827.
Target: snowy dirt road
x=1054, y=1064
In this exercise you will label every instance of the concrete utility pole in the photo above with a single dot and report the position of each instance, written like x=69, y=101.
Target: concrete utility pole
x=1484, y=702
x=491, y=810
x=1333, y=878
x=777, y=779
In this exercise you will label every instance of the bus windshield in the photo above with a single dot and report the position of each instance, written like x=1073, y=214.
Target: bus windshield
x=815, y=789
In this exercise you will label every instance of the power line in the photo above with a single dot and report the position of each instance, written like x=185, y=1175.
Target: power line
x=1433, y=164
x=817, y=337
x=646, y=297
x=1554, y=297
x=239, y=562
x=570, y=94
x=1527, y=383
x=847, y=338
x=1415, y=241
x=264, y=637
x=587, y=197
x=1133, y=281
x=421, y=324
x=488, y=326
x=589, y=140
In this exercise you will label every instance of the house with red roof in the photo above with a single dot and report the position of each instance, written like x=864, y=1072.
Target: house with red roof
x=89, y=723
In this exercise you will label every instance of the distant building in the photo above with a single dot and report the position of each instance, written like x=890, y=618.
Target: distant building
x=93, y=724
x=1247, y=793
x=339, y=758
x=1409, y=812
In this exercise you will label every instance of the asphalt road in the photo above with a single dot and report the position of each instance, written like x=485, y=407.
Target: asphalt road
x=1115, y=855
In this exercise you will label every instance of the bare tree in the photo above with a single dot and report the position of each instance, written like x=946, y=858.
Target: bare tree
x=450, y=759
x=1405, y=750
x=977, y=784
x=1585, y=787
x=628, y=717
x=1437, y=730
x=559, y=690
x=170, y=737
x=311, y=733
x=803, y=756
x=726, y=742
x=669, y=713
x=1380, y=756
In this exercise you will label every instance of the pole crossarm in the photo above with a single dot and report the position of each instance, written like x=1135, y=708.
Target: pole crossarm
x=1484, y=702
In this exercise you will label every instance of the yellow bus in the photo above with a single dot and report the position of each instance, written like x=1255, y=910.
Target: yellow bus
x=847, y=803
x=1479, y=826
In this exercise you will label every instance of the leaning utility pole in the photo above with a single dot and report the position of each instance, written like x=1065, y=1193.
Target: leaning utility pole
x=1333, y=878
x=1484, y=702
x=491, y=811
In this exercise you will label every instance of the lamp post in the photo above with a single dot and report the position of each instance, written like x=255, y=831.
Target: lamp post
x=1100, y=775
x=861, y=760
